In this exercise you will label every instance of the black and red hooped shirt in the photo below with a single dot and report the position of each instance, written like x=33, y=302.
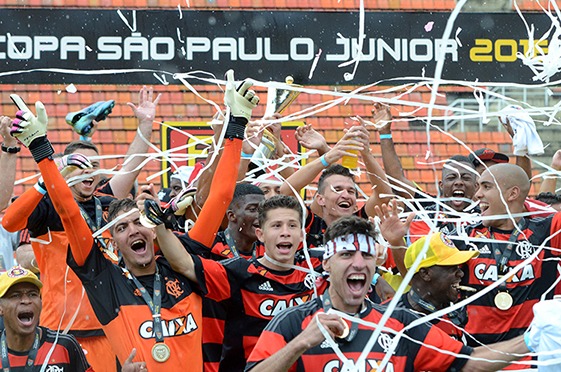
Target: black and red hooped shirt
x=408, y=355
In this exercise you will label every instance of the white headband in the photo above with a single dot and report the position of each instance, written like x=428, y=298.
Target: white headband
x=351, y=242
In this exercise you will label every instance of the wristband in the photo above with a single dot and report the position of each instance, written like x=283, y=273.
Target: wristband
x=40, y=187
x=11, y=150
x=236, y=127
x=246, y=156
x=41, y=149
x=323, y=161
x=85, y=138
x=527, y=341
x=375, y=278
x=385, y=136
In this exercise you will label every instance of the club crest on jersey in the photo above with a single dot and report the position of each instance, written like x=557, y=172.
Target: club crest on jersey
x=271, y=307
x=385, y=342
x=483, y=271
x=173, y=288
x=367, y=366
x=310, y=281
x=174, y=327
x=524, y=249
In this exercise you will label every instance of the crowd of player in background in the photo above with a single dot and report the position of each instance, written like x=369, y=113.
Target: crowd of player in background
x=229, y=269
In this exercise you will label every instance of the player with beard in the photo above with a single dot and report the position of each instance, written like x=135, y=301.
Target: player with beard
x=23, y=342
x=133, y=299
x=65, y=304
x=436, y=282
x=293, y=341
x=506, y=237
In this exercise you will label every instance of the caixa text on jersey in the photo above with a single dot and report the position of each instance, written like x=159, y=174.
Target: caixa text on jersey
x=174, y=327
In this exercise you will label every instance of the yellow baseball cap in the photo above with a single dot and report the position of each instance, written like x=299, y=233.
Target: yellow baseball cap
x=441, y=251
x=17, y=274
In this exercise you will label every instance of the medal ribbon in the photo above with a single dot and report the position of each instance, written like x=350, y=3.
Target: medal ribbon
x=454, y=316
x=501, y=257
x=155, y=303
x=327, y=305
x=231, y=243
x=107, y=248
x=98, y=222
x=98, y=215
x=30, y=356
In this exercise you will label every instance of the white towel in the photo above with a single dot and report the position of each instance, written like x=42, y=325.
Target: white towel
x=526, y=140
x=545, y=334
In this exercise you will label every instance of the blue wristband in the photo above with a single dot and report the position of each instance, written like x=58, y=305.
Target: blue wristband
x=385, y=136
x=40, y=187
x=323, y=161
x=86, y=138
x=246, y=156
x=527, y=341
x=375, y=278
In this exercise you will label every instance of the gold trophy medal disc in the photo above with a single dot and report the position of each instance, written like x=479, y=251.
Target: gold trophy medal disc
x=346, y=330
x=160, y=352
x=503, y=301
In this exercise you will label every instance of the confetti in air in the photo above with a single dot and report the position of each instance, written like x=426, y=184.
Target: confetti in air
x=543, y=65
x=71, y=88
x=314, y=64
x=458, y=30
x=428, y=26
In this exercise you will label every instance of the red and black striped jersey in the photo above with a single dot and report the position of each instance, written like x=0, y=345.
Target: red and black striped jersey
x=419, y=228
x=214, y=312
x=252, y=295
x=486, y=322
x=444, y=323
x=67, y=355
x=221, y=250
x=408, y=355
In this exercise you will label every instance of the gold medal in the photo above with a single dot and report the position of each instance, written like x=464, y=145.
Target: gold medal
x=346, y=330
x=160, y=352
x=503, y=301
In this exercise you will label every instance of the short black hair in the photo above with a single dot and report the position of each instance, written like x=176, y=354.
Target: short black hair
x=119, y=205
x=459, y=159
x=332, y=170
x=549, y=198
x=454, y=160
x=243, y=189
x=349, y=225
x=77, y=145
x=276, y=202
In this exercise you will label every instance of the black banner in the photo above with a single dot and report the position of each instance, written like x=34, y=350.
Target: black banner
x=149, y=46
